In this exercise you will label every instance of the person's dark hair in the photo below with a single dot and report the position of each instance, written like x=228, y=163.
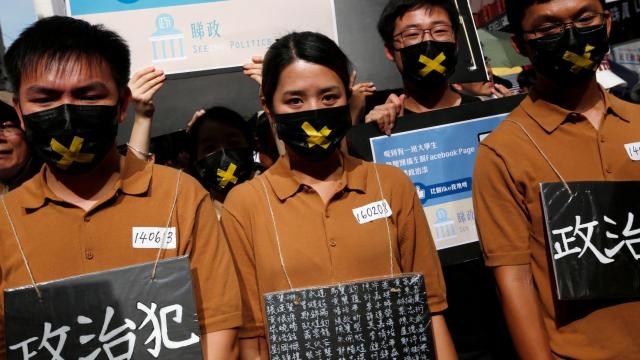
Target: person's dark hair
x=397, y=8
x=265, y=142
x=516, y=10
x=307, y=46
x=8, y=113
x=51, y=42
x=224, y=116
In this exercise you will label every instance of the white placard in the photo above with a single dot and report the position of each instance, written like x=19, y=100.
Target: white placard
x=181, y=36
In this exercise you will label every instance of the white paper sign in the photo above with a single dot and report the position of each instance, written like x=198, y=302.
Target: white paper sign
x=633, y=150
x=181, y=36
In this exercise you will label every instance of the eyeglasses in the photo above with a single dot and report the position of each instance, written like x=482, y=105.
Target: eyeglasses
x=584, y=23
x=9, y=128
x=415, y=36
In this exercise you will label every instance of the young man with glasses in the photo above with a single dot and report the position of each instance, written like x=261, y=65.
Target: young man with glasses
x=568, y=126
x=420, y=38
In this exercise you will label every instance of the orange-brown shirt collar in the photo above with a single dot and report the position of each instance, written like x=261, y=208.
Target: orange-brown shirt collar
x=550, y=116
x=135, y=178
x=285, y=185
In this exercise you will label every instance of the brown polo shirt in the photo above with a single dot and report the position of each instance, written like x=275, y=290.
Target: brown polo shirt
x=324, y=244
x=61, y=240
x=506, y=197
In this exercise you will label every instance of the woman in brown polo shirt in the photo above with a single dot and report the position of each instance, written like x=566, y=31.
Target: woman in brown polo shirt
x=295, y=226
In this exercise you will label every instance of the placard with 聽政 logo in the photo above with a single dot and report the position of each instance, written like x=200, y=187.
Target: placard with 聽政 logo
x=181, y=36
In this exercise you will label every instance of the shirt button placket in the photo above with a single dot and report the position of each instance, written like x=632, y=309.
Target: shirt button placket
x=88, y=252
x=607, y=165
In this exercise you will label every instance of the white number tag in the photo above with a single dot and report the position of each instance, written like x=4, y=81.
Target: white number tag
x=374, y=211
x=153, y=237
x=633, y=150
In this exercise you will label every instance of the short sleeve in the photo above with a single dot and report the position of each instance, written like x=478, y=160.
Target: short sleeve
x=500, y=210
x=214, y=277
x=233, y=223
x=417, y=249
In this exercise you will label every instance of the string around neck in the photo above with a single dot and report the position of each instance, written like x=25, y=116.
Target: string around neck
x=277, y=233
x=275, y=228
x=24, y=257
x=166, y=228
x=386, y=222
x=535, y=144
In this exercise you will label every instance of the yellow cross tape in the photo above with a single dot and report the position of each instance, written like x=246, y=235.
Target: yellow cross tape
x=432, y=64
x=71, y=154
x=227, y=176
x=580, y=61
x=316, y=137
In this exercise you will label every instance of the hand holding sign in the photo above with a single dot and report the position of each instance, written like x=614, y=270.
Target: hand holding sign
x=359, y=93
x=500, y=91
x=144, y=85
x=385, y=115
x=254, y=68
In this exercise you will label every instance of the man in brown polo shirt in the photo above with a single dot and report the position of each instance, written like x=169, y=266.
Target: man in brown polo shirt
x=79, y=213
x=567, y=127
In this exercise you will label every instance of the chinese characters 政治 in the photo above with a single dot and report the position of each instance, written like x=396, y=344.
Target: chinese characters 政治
x=107, y=340
x=577, y=239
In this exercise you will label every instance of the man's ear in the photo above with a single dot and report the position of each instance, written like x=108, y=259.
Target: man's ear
x=389, y=53
x=124, y=104
x=519, y=45
x=608, y=21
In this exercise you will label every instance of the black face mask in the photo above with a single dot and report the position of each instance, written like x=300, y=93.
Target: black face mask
x=429, y=62
x=314, y=134
x=72, y=139
x=571, y=57
x=221, y=170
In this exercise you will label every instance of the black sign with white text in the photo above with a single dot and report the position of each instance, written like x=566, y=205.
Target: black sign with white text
x=384, y=318
x=119, y=314
x=593, y=238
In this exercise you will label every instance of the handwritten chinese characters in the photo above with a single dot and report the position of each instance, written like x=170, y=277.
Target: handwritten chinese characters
x=378, y=319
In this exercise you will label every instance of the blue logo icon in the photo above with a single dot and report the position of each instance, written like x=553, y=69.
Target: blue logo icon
x=442, y=216
x=167, y=42
x=422, y=192
x=128, y=1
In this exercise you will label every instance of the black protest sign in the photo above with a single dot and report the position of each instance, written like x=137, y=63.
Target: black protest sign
x=593, y=239
x=384, y=318
x=119, y=314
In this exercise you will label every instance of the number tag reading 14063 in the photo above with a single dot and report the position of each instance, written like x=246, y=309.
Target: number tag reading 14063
x=153, y=237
